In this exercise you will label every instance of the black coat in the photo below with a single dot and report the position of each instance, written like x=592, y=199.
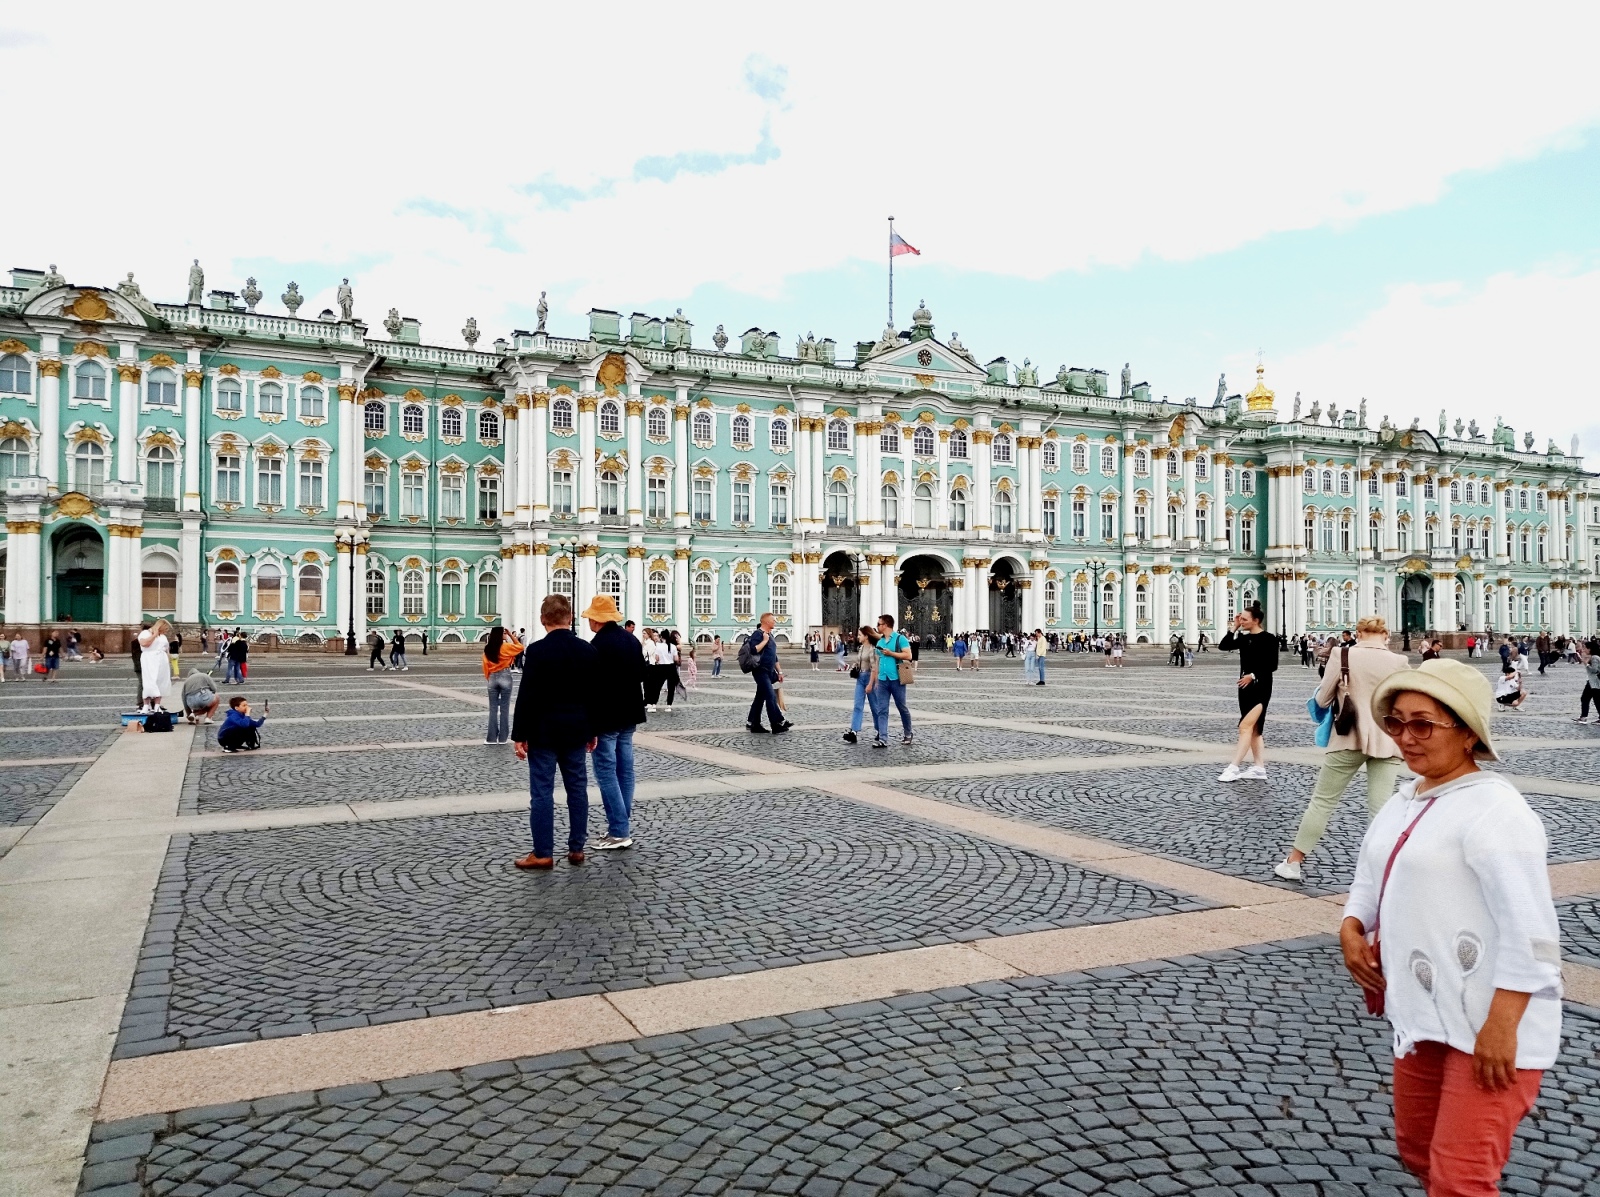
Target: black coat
x=1258, y=653
x=555, y=703
x=619, y=680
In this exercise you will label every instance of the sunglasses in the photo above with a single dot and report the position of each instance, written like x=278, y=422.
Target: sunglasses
x=1420, y=729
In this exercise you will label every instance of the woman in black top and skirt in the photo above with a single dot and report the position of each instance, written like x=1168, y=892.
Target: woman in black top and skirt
x=1258, y=661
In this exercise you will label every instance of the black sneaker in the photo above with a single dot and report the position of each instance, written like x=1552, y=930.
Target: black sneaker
x=755, y=727
x=782, y=727
x=906, y=741
x=880, y=743
x=850, y=737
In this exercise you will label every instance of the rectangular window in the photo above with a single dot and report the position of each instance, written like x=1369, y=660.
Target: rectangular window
x=488, y=497
x=779, y=499
x=1202, y=524
x=701, y=505
x=1080, y=602
x=778, y=594
x=452, y=496
x=1051, y=516
x=1108, y=521
x=560, y=492
x=1080, y=519
x=413, y=496
x=1141, y=522
x=311, y=403
x=655, y=496
x=227, y=488
x=377, y=593
x=269, y=481
x=741, y=502
x=1247, y=537
x=375, y=488
x=310, y=483
x=159, y=593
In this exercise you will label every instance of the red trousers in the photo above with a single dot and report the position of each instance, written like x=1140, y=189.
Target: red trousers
x=1453, y=1135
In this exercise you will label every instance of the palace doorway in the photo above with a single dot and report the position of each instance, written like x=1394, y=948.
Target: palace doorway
x=925, y=598
x=80, y=574
x=1005, y=598
x=841, y=593
x=1414, y=604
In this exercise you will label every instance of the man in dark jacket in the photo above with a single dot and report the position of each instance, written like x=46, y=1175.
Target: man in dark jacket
x=552, y=727
x=618, y=710
x=765, y=647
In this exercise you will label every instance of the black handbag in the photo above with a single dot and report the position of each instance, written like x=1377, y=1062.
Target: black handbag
x=1344, y=715
x=855, y=672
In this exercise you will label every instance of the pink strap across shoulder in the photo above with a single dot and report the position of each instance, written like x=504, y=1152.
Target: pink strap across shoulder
x=1398, y=844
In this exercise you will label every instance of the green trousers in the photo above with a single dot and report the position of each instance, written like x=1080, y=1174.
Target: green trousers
x=1338, y=767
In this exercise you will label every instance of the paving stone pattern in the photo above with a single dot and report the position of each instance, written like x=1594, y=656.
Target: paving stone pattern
x=28, y=791
x=1559, y=764
x=436, y=726
x=1580, y=930
x=1247, y=1072
x=279, y=932
x=933, y=742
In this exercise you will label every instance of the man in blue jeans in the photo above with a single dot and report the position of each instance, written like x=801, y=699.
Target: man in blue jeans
x=553, y=727
x=618, y=711
x=893, y=648
x=765, y=647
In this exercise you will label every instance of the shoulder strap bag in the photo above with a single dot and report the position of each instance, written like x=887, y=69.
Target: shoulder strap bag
x=1344, y=718
x=1375, y=996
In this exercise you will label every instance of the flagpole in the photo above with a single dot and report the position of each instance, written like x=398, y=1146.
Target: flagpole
x=891, y=272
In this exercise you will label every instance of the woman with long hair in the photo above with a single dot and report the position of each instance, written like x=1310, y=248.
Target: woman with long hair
x=1258, y=661
x=866, y=673
x=499, y=652
x=155, y=664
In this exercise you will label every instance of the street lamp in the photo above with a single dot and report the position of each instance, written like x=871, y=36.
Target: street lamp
x=568, y=544
x=1283, y=616
x=1095, y=565
x=349, y=538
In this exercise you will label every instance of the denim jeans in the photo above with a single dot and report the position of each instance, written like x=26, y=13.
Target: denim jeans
x=890, y=689
x=1027, y=666
x=1038, y=664
x=861, y=700
x=716, y=666
x=542, y=765
x=499, y=706
x=613, y=773
x=765, y=694
x=234, y=675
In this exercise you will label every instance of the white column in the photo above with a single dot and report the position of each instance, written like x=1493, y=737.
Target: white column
x=536, y=437
x=1501, y=557
x=1191, y=614
x=680, y=587
x=941, y=499
x=1189, y=496
x=635, y=596
x=190, y=569
x=49, y=366
x=128, y=415
x=869, y=480
x=1129, y=485
x=1036, y=570
x=1161, y=581
x=1219, y=524
x=24, y=567
x=871, y=584
x=982, y=456
x=680, y=460
x=539, y=586
x=348, y=437
x=800, y=508
x=1158, y=534
x=635, y=410
x=512, y=477
x=819, y=474
x=583, y=581
x=193, y=450
x=344, y=595
x=588, y=500
x=1444, y=520
x=1130, y=582
x=977, y=589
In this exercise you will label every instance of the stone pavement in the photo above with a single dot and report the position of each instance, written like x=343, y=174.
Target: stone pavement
x=1040, y=950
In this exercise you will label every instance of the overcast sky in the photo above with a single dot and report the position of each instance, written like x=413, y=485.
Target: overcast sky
x=1391, y=202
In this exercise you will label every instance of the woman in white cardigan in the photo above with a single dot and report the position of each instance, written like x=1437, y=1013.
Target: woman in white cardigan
x=1452, y=885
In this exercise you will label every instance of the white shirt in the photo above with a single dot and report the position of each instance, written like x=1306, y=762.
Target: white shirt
x=1509, y=683
x=1467, y=911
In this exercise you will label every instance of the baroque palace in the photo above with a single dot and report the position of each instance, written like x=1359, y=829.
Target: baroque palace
x=223, y=466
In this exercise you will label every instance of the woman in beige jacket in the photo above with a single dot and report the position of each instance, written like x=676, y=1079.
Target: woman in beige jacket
x=1365, y=744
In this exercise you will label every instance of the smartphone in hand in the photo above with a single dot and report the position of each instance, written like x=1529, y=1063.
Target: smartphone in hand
x=266, y=706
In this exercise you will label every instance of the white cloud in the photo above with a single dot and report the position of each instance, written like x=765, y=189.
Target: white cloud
x=1023, y=142
x=1520, y=347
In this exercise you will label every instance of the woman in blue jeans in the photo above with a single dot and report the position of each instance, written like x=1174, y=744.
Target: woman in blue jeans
x=499, y=653
x=866, y=674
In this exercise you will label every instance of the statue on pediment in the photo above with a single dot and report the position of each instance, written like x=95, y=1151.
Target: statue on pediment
x=347, y=301
x=1442, y=423
x=1127, y=378
x=197, y=283
x=541, y=313
x=889, y=340
x=1361, y=420
x=957, y=347
x=130, y=291
x=52, y=278
x=1316, y=411
x=1296, y=414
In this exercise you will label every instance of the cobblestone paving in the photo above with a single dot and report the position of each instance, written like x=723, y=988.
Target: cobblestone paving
x=1580, y=930
x=28, y=791
x=74, y=716
x=933, y=742
x=1241, y=1073
x=77, y=742
x=247, y=782
x=1558, y=764
x=277, y=932
x=437, y=726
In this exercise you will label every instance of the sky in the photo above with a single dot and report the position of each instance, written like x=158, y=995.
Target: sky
x=1396, y=203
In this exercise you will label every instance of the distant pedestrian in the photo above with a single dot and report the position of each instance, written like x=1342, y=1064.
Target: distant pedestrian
x=51, y=651
x=239, y=731
x=397, y=652
x=1258, y=661
x=958, y=650
x=499, y=651
x=1591, y=688
x=618, y=697
x=20, y=652
x=842, y=648
x=375, y=644
x=814, y=649
x=238, y=654
x=760, y=652
x=155, y=664
x=73, y=640
x=1041, y=650
x=553, y=727
x=199, y=695
x=689, y=666
x=716, y=657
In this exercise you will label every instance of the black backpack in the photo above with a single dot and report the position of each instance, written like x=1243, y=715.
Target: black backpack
x=748, y=657
x=158, y=721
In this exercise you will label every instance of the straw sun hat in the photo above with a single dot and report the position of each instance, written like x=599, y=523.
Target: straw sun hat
x=1456, y=685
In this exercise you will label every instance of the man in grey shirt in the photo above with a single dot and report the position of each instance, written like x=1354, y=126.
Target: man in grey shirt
x=199, y=697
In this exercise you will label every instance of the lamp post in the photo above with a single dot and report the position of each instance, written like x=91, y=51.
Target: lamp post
x=567, y=542
x=349, y=538
x=1283, y=616
x=1095, y=565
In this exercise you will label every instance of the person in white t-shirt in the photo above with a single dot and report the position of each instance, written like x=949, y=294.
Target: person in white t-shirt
x=1508, y=691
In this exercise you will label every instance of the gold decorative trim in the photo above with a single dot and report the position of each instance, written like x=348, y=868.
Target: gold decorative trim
x=24, y=527
x=128, y=373
x=49, y=367
x=89, y=305
x=12, y=345
x=90, y=349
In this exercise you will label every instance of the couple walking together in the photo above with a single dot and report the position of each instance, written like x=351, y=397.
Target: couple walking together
x=882, y=668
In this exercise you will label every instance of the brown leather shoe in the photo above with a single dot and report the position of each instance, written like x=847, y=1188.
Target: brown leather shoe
x=530, y=861
x=574, y=857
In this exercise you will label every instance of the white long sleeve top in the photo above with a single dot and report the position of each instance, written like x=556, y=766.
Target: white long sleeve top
x=1467, y=911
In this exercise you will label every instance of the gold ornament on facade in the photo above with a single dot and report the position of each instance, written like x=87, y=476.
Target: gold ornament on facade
x=925, y=381
x=11, y=428
x=89, y=349
x=271, y=372
x=12, y=345
x=89, y=305
x=24, y=527
x=88, y=434
x=813, y=559
x=1260, y=397
x=452, y=467
x=634, y=407
x=229, y=369
x=159, y=438
x=128, y=373
x=450, y=400
x=49, y=367
x=586, y=403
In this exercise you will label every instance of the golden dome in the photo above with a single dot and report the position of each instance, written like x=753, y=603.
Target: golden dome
x=1260, y=397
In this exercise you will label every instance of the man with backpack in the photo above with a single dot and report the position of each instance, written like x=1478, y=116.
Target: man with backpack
x=758, y=656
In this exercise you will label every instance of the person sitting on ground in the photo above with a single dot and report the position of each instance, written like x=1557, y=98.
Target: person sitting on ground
x=1508, y=691
x=199, y=696
x=239, y=732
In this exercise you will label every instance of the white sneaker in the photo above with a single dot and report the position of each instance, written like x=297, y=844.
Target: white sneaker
x=651, y=707
x=1288, y=870
x=1256, y=773
x=608, y=843
x=1581, y=719
x=1231, y=773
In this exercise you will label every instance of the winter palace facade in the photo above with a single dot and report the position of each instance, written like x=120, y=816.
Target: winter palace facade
x=221, y=465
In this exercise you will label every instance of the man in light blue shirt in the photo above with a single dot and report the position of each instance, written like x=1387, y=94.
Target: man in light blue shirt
x=893, y=647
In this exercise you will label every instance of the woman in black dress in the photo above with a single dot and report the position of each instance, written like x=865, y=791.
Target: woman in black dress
x=1258, y=661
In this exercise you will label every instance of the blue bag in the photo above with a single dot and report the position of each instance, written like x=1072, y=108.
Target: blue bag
x=1323, y=718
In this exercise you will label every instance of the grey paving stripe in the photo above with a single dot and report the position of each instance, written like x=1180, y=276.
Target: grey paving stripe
x=1580, y=930
x=27, y=792
x=290, y=931
x=1242, y=1072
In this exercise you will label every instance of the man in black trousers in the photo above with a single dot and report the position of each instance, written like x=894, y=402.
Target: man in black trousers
x=553, y=727
x=765, y=675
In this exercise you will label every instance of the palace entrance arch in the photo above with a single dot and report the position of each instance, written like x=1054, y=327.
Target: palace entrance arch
x=1005, y=597
x=1414, y=603
x=841, y=593
x=926, y=598
x=80, y=569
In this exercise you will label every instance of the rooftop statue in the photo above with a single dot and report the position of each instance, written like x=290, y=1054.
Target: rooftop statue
x=1459, y=427
x=1574, y=444
x=1027, y=376
x=1474, y=431
x=1316, y=411
x=1552, y=450
x=889, y=340
x=1333, y=414
x=957, y=347
x=251, y=294
x=719, y=339
x=470, y=333
x=542, y=311
x=1222, y=388
x=347, y=301
x=680, y=329
x=1383, y=425
x=1442, y=424
x=129, y=289
x=1361, y=420
x=393, y=324
x=52, y=278
x=197, y=283
x=1296, y=415
x=1062, y=376
x=292, y=299
x=1527, y=441
x=1416, y=423
x=1127, y=378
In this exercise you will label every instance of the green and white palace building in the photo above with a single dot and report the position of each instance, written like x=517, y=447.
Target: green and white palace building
x=220, y=465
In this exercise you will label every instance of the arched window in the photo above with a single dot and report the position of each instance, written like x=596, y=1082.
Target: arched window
x=230, y=396
x=1174, y=518
x=1141, y=603
x=488, y=426
x=1141, y=462
x=611, y=584
x=1002, y=513
x=891, y=506
x=838, y=436
x=561, y=492
x=740, y=431
x=1052, y=600
x=161, y=387
x=269, y=399
x=1080, y=600
x=1108, y=603
x=1327, y=482
x=411, y=420
x=1347, y=607
x=161, y=475
x=14, y=457
x=1174, y=464
x=1483, y=493
x=450, y=423
x=1247, y=482
x=450, y=593
x=561, y=582
x=413, y=593
x=889, y=439
x=1308, y=482
x=1400, y=486
x=744, y=594
x=269, y=589
x=225, y=588
x=778, y=593
x=311, y=404
x=1174, y=603
x=1202, y=467
x=308, y=595
x=922, y=506
x=1327, y=532
x=1346, y=534
x=610, y=494
x=1141, y=518
x=958, y=444
x=374, y=416
x=488, y=594
x=1202, y=522
x=1108, y=460
x=703, y=427
x=377, y=592
x=610, y=418
x=561, y=414
x=1001, y=449
x=89, y=381
x=655, y=594
x=958, y=510
x=1202, y=604
x=1080, y=456
x=838, y=504
x=923, y=441
x=656, y=423
x=1247, y=533
x=16, y=376
x=88, y=468
x=778, y=435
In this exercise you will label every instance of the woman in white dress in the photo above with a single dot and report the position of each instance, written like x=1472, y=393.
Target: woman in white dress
x=155, y=664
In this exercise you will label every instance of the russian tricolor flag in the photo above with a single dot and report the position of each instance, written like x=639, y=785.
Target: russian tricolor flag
x=899, y=245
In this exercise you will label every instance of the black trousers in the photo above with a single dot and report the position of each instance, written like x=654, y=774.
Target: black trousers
x=244, y=738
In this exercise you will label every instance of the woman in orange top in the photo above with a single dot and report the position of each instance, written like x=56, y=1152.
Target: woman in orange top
x=498, y=655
